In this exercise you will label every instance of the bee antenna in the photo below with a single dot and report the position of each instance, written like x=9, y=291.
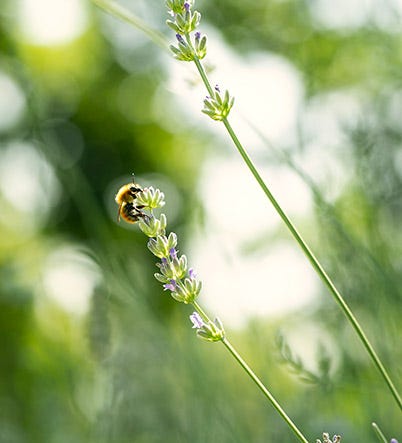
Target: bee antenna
x=133, y=177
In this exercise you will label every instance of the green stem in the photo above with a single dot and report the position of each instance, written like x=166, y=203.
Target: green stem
x=203, y=314
x=254, y=377
x=122, y=13
x=379, y=433
x=311, y=257
x=264, y=390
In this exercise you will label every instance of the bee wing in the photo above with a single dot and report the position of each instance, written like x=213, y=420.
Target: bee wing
x=119, y=212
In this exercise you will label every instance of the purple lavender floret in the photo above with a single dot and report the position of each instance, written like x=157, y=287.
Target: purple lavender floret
x=192, y=274
x=196, y=320
x=171, y=286
x=173, y=253
x=180, y=39
x=187, y=6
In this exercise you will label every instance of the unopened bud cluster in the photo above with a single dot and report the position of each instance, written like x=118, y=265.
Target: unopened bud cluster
x=326, y=439
x=184, y=21
x=219, y=105
x=173, y=272
x=192, y=48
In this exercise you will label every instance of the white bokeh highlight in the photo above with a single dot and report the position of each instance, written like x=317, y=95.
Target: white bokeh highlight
x=52, y=22
x=12, y=102
x=27, y=180
x=270, y=280
x=69, y=278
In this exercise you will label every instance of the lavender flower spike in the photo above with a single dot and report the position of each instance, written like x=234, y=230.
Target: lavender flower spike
x=196, y=320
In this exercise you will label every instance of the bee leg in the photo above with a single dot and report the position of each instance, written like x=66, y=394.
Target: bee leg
x=137, y=214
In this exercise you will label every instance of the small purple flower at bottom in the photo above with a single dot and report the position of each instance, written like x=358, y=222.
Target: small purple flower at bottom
x=394, y=440
x=196, y=320
x=171, y=286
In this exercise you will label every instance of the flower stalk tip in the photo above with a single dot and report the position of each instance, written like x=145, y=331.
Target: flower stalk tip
x=211, y=331
x=218, y=106
x=151, y=198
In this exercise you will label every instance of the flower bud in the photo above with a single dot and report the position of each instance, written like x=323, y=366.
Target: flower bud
x=187, y=290
x=179, y=266
x=177, y=6
x=218, y=106
x=210, y=331
x=200, y=44
x=159, y=246
x=151, y=198
x=152, y=227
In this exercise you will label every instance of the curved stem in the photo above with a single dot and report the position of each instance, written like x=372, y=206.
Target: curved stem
x=122, y=13
x=254, y=377
x=311, y=257
x=264, y=390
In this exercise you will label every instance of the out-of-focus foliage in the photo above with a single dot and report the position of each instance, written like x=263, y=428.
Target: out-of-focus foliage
x=91, y=350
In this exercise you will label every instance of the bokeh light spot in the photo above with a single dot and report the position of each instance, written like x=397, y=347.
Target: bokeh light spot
x=12, y=102
x=52, y=22
x=27, y=180
x=69, y=278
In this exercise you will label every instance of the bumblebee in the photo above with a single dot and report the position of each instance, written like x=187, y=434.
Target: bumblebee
x=125, y=198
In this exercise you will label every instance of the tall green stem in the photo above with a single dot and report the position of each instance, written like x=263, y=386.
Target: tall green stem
x=311, y=257
x=264, y=390
x=254, y=377
x=201, y=311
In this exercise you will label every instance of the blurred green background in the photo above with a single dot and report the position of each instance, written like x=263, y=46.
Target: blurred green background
x=92, y=350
